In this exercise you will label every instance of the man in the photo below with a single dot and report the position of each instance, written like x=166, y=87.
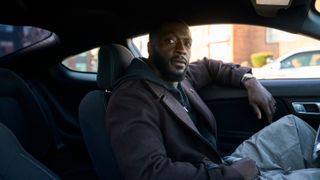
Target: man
x=161, y=129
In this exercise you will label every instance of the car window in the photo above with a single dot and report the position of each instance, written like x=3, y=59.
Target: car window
x=301, y=60
x=84, y=62
x=13, y=38
x=271, y=53
x=317, y=5
x=264, y=49
x=315, y=59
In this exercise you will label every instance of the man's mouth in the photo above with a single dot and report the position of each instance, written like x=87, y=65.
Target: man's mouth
x=179, y=61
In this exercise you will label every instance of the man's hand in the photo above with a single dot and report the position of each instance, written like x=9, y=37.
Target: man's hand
x=247, y=168
x=260, y=99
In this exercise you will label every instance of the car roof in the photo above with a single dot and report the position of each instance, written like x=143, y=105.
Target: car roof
x=81, y=25
x=125, y=19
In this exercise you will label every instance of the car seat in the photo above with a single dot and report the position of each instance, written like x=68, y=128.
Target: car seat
x=16, y=163
x=113, y=61
x=22, y=113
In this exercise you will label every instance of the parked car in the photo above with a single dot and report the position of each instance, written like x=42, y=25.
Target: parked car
x=298, y=63
x=42, y=132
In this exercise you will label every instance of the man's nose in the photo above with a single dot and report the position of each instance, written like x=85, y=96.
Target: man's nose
x=180, y=47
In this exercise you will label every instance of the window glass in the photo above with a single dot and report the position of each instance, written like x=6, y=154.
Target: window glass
x=276, y=36
x=13, y=38
x=317, y=5
x=141, y=43
x=83, y=62
x=297, y=60
x=271, y=53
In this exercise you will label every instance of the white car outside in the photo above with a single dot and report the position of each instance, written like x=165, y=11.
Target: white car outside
x=299, y=63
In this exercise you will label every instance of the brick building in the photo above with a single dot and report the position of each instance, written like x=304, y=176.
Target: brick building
x=236, y=43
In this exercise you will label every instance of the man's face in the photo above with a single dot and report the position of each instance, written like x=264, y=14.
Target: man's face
x=170, y=52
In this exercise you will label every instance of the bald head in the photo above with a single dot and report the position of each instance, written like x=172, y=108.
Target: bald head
x=169, y=49
x=166, y=26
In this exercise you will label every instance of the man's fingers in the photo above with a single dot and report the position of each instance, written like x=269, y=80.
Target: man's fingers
x=266, y=109
x=272, y=107
x=272, y=110
x=270, y=116
x=269, y=110
x=257, y=111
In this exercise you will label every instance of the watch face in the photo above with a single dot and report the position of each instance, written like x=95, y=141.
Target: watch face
x=247, y=76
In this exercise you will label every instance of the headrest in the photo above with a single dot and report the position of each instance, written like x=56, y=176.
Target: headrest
x=112, y=64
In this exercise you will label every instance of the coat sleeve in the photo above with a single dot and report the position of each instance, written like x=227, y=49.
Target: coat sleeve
x=206, y=71
x=135, y=133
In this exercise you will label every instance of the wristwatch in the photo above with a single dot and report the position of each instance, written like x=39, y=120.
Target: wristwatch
x=246, y=77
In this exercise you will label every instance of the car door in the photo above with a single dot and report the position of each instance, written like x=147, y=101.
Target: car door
x=236, y=119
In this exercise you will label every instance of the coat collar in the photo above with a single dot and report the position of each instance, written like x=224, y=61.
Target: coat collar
x=173, y=105
x=199, y=105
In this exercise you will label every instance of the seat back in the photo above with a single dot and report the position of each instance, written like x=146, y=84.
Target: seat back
x=113, y=61
x=22, y=114
x=16, y=163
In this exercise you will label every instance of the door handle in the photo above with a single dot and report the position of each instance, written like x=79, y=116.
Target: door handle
x=306, y=107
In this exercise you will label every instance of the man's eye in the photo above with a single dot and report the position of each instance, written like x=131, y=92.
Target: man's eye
x=188, y=44
x=170, y=41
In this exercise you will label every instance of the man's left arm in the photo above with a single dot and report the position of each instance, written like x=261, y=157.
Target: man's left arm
x=207, y=71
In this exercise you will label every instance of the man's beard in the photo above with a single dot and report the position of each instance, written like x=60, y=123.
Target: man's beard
x=163, y=66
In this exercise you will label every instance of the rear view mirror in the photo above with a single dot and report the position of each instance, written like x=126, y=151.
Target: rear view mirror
x=270, y=8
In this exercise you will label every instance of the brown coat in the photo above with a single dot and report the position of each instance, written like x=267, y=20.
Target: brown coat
x=153, y=137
